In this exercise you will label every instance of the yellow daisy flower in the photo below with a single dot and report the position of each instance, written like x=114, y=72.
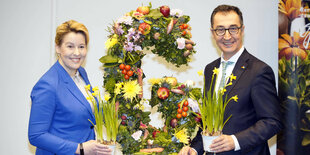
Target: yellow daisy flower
x=200, y=72
x=131, y=89
x=111, y=41
x=182, y=136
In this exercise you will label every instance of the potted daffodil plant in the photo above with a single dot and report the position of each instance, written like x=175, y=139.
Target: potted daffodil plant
x=106, y=115
x=212, y=107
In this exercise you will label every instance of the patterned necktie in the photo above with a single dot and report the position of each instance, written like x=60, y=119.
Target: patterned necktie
x=224, y=67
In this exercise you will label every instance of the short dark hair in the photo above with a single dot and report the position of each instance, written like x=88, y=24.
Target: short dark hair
x=225, y=9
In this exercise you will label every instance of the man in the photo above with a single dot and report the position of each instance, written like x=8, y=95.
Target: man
x=256, y=115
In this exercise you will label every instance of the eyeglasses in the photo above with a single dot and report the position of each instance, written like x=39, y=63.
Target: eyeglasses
x=232, y=30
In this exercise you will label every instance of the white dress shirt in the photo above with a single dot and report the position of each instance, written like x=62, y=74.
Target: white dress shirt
x=80, y=83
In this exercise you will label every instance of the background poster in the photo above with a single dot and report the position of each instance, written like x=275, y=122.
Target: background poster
x=294, y=76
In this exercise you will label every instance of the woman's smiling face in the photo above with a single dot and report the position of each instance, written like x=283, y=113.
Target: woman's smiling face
x=72, y=52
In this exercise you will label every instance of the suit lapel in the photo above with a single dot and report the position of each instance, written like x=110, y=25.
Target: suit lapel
x=75, y=91
x=208, y=75
x=238, y=70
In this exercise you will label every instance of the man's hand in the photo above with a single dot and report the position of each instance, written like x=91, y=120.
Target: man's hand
x=187, y=151
x=223, y=143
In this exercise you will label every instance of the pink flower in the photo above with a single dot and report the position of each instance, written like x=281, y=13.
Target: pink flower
x=142, y=126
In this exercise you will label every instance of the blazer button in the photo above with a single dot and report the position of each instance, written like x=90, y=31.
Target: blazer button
x=91, y=127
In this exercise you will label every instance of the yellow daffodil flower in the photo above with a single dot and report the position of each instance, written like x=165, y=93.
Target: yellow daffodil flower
x=95, y=88
x=223, y=90
x=232, y=77
x=95, y=93
x=235, y=98
x=107, y=97
x=200, y=72
x=216, y=71
x=229, y=84
x=88, y=98
x=87, y=87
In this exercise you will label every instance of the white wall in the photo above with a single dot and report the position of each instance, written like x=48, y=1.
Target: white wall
x=27, y=33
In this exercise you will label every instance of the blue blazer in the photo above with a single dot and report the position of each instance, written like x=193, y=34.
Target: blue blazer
x=256, y=116
x=59, y=113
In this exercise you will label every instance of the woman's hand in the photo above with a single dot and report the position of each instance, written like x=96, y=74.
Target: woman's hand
x=92, y=147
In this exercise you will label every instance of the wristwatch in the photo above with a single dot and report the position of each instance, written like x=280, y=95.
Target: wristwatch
x=81, y=149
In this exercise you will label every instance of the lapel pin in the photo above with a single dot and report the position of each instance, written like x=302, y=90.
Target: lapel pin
x=243, y=67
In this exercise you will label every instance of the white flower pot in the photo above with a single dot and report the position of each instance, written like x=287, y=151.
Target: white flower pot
x=112, y=147
x=207, y=141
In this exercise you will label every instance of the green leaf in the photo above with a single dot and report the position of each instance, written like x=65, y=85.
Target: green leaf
x=306, y=140
x=155, y=13
x=110, y=65
x=132, y=59
x=108, y=59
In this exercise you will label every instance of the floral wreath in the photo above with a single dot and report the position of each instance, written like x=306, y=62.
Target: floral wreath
x=166, y=33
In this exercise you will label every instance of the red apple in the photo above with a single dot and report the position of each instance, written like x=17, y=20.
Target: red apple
x=165, y=10
x=144, y=10
x=163, y=93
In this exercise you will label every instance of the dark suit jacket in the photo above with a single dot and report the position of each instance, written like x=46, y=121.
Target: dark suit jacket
x=256, y=115
x=59, y=113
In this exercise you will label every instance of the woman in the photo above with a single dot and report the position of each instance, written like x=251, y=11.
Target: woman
x=59, y=113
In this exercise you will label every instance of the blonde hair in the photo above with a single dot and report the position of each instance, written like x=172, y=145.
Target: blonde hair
x=70, y=26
